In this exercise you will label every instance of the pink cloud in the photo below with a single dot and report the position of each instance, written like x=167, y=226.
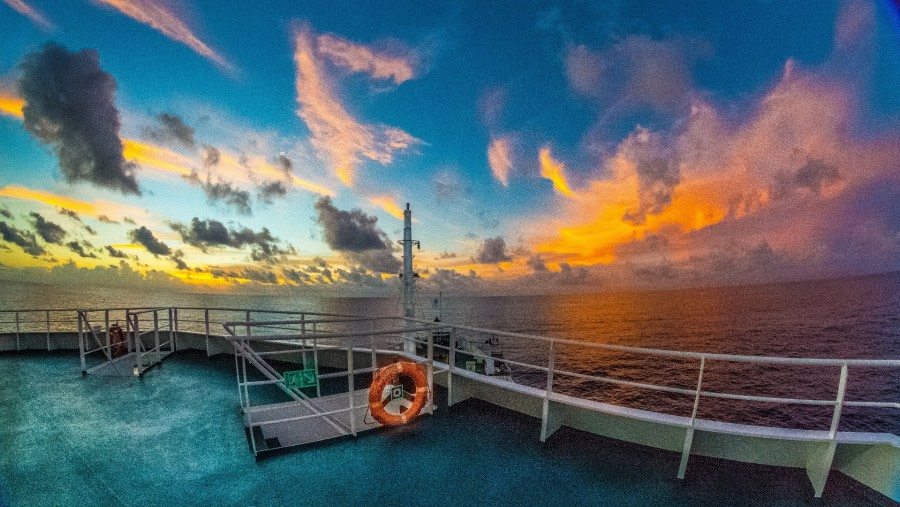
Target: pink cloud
x=337, y=135
x=500, y=159
x=397, y=65
x=31, y=13
x=155, y=14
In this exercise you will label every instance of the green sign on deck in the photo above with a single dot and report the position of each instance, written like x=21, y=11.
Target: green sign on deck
x=298, y=379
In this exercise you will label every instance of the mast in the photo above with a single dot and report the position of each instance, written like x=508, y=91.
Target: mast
x=408, y=276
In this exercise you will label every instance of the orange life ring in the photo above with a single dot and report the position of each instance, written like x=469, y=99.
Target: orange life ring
x=389, y=375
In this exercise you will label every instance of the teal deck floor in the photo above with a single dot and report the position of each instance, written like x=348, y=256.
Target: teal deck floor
x=175, y=438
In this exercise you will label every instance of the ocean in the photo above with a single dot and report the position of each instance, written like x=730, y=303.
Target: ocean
x=843, y=318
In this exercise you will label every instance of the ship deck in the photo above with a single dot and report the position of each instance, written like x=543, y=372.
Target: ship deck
x=175, y=436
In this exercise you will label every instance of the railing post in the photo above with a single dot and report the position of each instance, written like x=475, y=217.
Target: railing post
x=174, y=344
x=819, y=464
x=156, y=335
x=48, y=330
x=350, y=385
x=451, y=359
x=81, y=342
x=249, y=332
x=206, y=324
x=106, y=323
x=138, y=345
x=430, y=355
x=17, y=331
x=548, y=426
x=316, y=364
x=689, y=435
x=374, y=354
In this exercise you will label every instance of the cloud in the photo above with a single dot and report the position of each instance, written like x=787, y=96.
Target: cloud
x=172, y=129
x=157, y=15
x=96, y=209
x=356, y=235
x=113, y=252
x=145, y=237
x=388, y=204
x=393, y=62
x=555, y=172
x=657, y=179
x=178, y=258
x=537, y=264
x=270, y=189
x=70, y=104
x=31, y=13
x=492, y=251
x=106, y=220
x=47, y=230
x=500, y=159
x=79, y=249
x=447, y=186
x=260, y=276
x=24, y=239
x=5, y=213
x=211, y=156
x=69, y=213
x=812, y=176
x=337, y=135
x=223, y=192
x=209, y=234
x=636, y=71
x=349, y=231
x=285, y=163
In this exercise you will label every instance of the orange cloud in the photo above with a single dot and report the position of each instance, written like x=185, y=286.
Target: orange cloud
x=388, y=205
x=11, y=105
x=31, y=13
x=794, y=152
x=155, y=14
x=358, y=58
x=555, y=172
x=336, y=134
x=150, y=156
x=500, y=160
x=92, y=209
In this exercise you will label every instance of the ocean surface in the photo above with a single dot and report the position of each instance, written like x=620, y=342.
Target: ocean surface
x=844, y=318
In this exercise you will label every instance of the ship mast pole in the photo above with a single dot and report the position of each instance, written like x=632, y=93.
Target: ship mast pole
x=408, y=276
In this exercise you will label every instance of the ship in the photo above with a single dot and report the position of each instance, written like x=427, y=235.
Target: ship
x=137, y=406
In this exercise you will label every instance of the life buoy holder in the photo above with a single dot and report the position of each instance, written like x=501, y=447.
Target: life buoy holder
x=390, y=376
x=117, y=341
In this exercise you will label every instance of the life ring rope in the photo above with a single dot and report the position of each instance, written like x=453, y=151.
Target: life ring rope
x=390, y=376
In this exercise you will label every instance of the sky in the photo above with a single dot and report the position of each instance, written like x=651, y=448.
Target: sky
x=543, y=147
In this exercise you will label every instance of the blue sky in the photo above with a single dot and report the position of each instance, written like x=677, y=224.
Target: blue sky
x=543, y=146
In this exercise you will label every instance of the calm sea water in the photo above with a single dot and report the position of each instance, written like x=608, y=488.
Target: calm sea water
x=845, y=318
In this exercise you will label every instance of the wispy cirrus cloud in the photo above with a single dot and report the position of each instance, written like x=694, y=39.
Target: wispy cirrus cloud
x=397, y=64
x=31, y=13
x=500, y=159
x=100, y=209
x=337, y=135
x=159, y=17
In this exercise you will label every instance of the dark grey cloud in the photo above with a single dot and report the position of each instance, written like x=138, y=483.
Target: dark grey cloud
x=80, y=249
x=47, y=230
x=170, y=128
x=70, y=105
x=447, y=255
x=811, y=176
x=268, y=190
x=211, y=156
x=222, y=192
x=357, y=236
x=178, y=258
x=90, y=230
x=285, y=163
x=260, y=276
x=113, y=252
x=145, y=237
x=296, y=276
x=26, y=240
x=350, y=231
x=128, y=220
x=492, y=251
x=536, y=263
x=5, y=212
x=206, y=234
x=69, y=213
x=657, y=178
